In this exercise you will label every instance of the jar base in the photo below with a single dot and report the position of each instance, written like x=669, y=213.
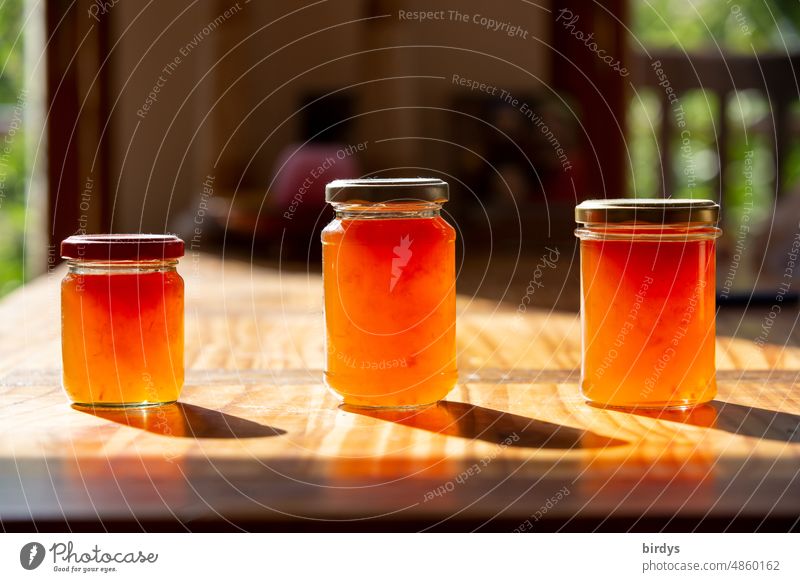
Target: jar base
x=650, y=406
x=346, y=405
x=122, y=405
x=398, y=398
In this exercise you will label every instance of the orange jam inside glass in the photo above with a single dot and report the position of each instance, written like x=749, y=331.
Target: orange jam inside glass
x=390, y=303
x=122, y=328
x=648, y=309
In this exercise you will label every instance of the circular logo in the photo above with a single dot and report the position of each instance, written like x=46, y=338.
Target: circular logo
x=31, y=555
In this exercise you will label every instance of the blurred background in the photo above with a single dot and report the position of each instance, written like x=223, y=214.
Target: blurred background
x=221, y=121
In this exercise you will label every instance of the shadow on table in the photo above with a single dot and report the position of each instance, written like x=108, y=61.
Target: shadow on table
x=477, y=423
x=735, y=418
x=185, y=420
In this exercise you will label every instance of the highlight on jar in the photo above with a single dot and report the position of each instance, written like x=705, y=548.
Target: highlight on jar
x=648, y=301
x=122, y=320
x=390, y=296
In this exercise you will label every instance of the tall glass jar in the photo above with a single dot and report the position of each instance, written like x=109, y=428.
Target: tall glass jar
x=648, y=301
x=390, y=298
x=122, y=320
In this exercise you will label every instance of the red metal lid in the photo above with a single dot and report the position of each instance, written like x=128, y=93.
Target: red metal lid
x=122, y=247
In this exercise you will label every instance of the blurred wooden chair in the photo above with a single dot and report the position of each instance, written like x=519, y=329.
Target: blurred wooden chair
x=722, y=74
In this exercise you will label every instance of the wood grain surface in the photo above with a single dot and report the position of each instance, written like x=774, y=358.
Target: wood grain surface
x=257, y=442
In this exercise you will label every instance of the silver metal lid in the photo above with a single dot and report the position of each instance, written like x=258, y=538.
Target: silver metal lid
x=377, y=190
x=647, y=210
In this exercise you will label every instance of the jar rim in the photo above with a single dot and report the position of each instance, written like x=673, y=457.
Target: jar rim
x=381, y=190
x=122, y=247
x=647, y=211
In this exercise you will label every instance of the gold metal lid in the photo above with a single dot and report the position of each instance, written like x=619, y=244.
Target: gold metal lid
x=377, y=190
x=647, y=210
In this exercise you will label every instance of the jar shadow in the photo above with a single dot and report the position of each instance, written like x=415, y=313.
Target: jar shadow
x=472, y=422
x=737, y=419
x=184, y=421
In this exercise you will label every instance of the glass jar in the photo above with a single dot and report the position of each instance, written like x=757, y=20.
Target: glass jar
x=648, y=301
x=122, y=320
x=390, y=297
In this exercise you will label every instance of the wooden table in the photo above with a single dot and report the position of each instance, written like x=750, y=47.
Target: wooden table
x=257, y=443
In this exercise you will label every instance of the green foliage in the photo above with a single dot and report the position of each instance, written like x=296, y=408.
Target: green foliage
x=11, y=57
x=12, y=217
x=12, y=147
x=644, y=118
x=733, y=25
x=711, y=25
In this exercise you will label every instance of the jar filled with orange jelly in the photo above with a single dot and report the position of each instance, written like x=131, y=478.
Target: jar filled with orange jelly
x=390, y=297
x=122, y=320
x=648, y=301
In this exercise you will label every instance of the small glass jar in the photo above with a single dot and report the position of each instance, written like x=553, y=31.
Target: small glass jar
x=648, y=301
x=122, y=320
x=390, y=297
